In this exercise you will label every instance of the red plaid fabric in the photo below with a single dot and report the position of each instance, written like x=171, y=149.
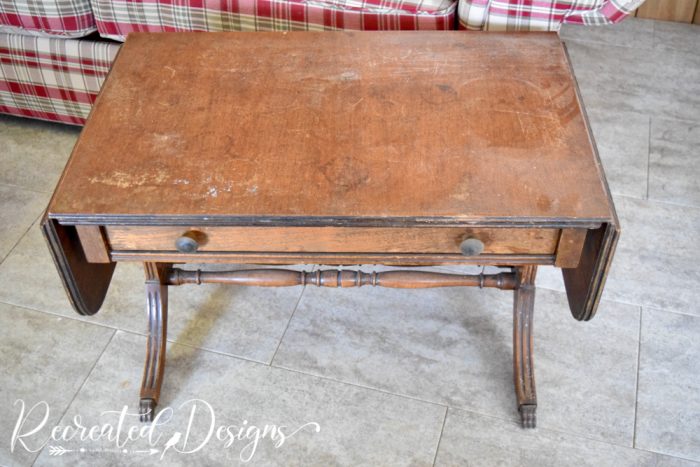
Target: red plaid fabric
x=540, y=15
x=67, y=18
x=50, y=78
x=116, y=18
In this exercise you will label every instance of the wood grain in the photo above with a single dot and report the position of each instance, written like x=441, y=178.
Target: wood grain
x=342, y=278
x=85, y=283
x=421, y=127
x=93, y=243
x=584, y=283
x=154, y=365
x=681, y=11
x=570, y=248
x=336, y=259
x=340, y=148
x=523, y=337
x=336, y=239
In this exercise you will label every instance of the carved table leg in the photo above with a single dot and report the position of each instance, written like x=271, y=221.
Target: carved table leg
x=523, y=362
x=157, y=310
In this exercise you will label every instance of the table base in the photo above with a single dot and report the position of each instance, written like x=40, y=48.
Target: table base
x=521, y=279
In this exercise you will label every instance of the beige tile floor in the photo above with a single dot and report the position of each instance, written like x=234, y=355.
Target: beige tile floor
x=412, y=378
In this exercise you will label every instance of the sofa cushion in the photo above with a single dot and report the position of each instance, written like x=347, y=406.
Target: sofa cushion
x=116, y=18
x=540, y=15
x=51, y=78
x=67, y=18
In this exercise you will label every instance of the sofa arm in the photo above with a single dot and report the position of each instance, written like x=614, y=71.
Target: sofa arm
x=548, y=15
x=610, y=12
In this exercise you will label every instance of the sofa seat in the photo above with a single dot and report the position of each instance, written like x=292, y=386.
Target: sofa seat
x=64, y=18
x=116, y=18
x=51, y=78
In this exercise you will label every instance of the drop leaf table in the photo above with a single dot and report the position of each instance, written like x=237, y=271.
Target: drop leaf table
x=336, y=149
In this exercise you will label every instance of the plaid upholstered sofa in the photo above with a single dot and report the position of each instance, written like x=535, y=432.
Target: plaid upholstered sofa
x=55, y=54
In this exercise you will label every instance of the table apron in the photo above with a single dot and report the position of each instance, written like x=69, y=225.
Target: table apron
x=360, y=240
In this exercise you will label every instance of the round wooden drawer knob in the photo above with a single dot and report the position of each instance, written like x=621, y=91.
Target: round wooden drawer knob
x=188, y=242
x=471, y=247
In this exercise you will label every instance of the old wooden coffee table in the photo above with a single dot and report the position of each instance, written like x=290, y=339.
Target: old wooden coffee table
x=402, y=149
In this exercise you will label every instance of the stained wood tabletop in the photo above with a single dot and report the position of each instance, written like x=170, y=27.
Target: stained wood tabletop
x=421, y=127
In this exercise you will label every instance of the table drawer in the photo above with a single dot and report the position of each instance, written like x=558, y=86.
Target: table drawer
x=334, y=239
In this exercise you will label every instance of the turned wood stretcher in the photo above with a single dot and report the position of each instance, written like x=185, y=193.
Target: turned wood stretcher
x=400, y=149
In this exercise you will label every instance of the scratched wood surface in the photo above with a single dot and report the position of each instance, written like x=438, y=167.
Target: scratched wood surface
x=337, y=125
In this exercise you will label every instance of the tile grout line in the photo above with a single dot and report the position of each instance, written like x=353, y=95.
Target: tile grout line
x=636, y=305
x=312, y=375
x=648, y=158
x=379, y=390
x=402, y=396
x=204, y=349
x=597, y=108
x=608, y=300
x=290, y=370
x=598, y=440
x=594, y=107
x=82, y=385
x=515, y=420
x=658, y=201
x=622, y=302
x=671, y=118
x=323, y=377
x=286, y=328
x=636, y=385
x=83, y=320
x=24, y=188
x=79, y=319
x=326, y=378
x=675, y=312
x=577, y=435
x=442, y=431
x=76, y=318
x=21, y=237
x=672, y=456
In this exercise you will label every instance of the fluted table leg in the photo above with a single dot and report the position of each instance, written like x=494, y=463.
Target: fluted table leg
x=523, y=360
x=157, y=310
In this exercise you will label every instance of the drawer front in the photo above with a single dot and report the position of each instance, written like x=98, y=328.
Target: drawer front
x=334, y=239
